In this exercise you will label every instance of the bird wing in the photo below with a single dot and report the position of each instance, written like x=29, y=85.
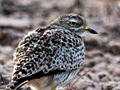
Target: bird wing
x=44, y=52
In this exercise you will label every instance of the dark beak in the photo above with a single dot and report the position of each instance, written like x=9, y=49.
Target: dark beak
x=91, y=31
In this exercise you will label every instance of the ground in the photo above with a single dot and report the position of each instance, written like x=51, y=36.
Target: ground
x=102, y=64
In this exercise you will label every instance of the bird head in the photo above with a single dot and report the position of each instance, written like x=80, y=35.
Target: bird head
x=75, y=23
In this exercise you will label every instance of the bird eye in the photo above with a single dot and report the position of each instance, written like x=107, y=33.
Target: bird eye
x=73, y=24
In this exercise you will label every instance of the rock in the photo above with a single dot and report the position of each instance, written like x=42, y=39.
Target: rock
x=108, y=58
x=110, y=85
x=20, y=24
x=117, y=87
x=2, y=61
x=117, y=71
x=90, y=88
x=94, y=53
x=104, y=76
x=114, y=47
x=83, y=84
x=93, y=77
x=117, y=79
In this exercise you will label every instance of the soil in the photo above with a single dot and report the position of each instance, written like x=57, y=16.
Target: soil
x=101, y=70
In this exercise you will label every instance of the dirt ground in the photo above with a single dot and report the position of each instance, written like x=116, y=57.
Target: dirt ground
x=102, y=64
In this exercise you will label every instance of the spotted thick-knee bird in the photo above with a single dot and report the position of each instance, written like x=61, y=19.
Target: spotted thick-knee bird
x=50, y=56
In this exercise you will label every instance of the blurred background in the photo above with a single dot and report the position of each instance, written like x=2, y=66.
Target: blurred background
x=102, y=65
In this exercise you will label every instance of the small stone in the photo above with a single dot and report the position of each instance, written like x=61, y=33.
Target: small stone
x=104, y=76
x=93, y=77
x=2, y=61
x=110, y=85
x=114, y=47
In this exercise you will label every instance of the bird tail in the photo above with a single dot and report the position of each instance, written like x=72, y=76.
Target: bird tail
x=14, y=85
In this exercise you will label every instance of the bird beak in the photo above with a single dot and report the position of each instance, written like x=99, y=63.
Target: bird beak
x=89, y=30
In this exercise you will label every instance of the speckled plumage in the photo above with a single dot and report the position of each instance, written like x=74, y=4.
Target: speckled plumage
x=49, y=56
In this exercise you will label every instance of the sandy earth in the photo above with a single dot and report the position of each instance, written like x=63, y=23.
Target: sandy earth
x=102, y=65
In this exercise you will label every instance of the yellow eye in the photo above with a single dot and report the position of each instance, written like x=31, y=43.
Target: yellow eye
x=73, y=24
